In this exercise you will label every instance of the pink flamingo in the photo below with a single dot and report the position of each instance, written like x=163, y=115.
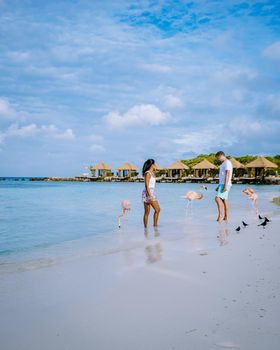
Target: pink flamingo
x=251, y=194
x=126, y=206
x=192, y=196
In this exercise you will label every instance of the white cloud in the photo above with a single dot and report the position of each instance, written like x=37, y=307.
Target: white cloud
x=52, y=130
x=235, y=75
x=173, y=101
x=202, y=141
x=68, y=134
x=22, y=131
x=34, y=130
x=6, y=109
x=97, y=148
x=245, y=126
x=273, y=51
x=139, y=115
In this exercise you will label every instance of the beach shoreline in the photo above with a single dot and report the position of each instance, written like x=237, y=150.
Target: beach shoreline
x=186, y=180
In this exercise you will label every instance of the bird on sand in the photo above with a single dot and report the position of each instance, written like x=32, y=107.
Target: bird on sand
x=244, y=224
x=263, y=224
x=238, y=229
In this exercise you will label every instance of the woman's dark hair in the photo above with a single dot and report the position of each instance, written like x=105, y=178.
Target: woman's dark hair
x=147, y=165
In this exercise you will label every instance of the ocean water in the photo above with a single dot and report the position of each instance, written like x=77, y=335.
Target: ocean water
x=49, y=220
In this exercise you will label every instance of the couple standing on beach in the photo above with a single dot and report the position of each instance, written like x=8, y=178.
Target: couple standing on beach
x=149, y=195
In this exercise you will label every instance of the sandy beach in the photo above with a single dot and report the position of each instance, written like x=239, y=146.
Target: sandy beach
x=181, y=290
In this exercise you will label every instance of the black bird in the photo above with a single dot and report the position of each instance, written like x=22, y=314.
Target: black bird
x=244, y=224
x=238, y=229
x=266, y=219
x=263, y=224
x=260, y=217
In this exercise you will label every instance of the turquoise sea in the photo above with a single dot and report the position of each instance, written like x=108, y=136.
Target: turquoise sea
x=44, y=221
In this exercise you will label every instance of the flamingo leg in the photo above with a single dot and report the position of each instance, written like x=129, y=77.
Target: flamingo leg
x=121, y=215
x=256, y=206
x=189, y=207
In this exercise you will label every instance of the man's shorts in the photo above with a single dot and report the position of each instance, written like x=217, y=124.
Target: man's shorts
x=221, y=194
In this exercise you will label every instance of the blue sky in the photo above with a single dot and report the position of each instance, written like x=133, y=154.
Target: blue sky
x=114, y=81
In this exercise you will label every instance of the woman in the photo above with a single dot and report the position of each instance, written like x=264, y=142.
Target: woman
x=148, y=194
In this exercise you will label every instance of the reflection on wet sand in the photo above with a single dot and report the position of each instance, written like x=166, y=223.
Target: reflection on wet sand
x=223, y=235
x=153, y=247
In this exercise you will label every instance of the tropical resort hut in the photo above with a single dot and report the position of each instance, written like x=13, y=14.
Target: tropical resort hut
x=237, y=167
x=203, y=168
x=157, y=167
x=126, y=170
x=177, y=169
x=260, y=166
x=100, y=170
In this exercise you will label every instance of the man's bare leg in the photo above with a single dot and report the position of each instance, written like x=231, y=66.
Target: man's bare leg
x=220, y=208
x=225, y=202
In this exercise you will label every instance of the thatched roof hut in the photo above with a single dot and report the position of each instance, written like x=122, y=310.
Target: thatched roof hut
x=261, y=162
x=203, y=168
x=157, y=167
x=178, y=165
x=238, y=168
x=260, y=165
x=176, y=169
x=100, y=169
x=126, y=169
x=204, y=165
x=236, y=164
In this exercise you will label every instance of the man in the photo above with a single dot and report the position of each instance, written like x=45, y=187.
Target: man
x=224, y=186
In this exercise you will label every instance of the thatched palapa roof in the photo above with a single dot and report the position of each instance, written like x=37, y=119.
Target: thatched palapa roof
x=204, y=164
x=261, y=162
x=178, y=165
x=101, y=166
x=157, y=167
x=236, y=164
x=127, y=166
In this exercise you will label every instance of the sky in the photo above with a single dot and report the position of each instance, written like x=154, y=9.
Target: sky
x=114, y=81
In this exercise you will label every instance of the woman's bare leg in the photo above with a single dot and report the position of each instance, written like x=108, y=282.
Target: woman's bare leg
x=156, y=207
x=147, y=209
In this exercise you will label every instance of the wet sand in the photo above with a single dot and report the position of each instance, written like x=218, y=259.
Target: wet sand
x=163, y=293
